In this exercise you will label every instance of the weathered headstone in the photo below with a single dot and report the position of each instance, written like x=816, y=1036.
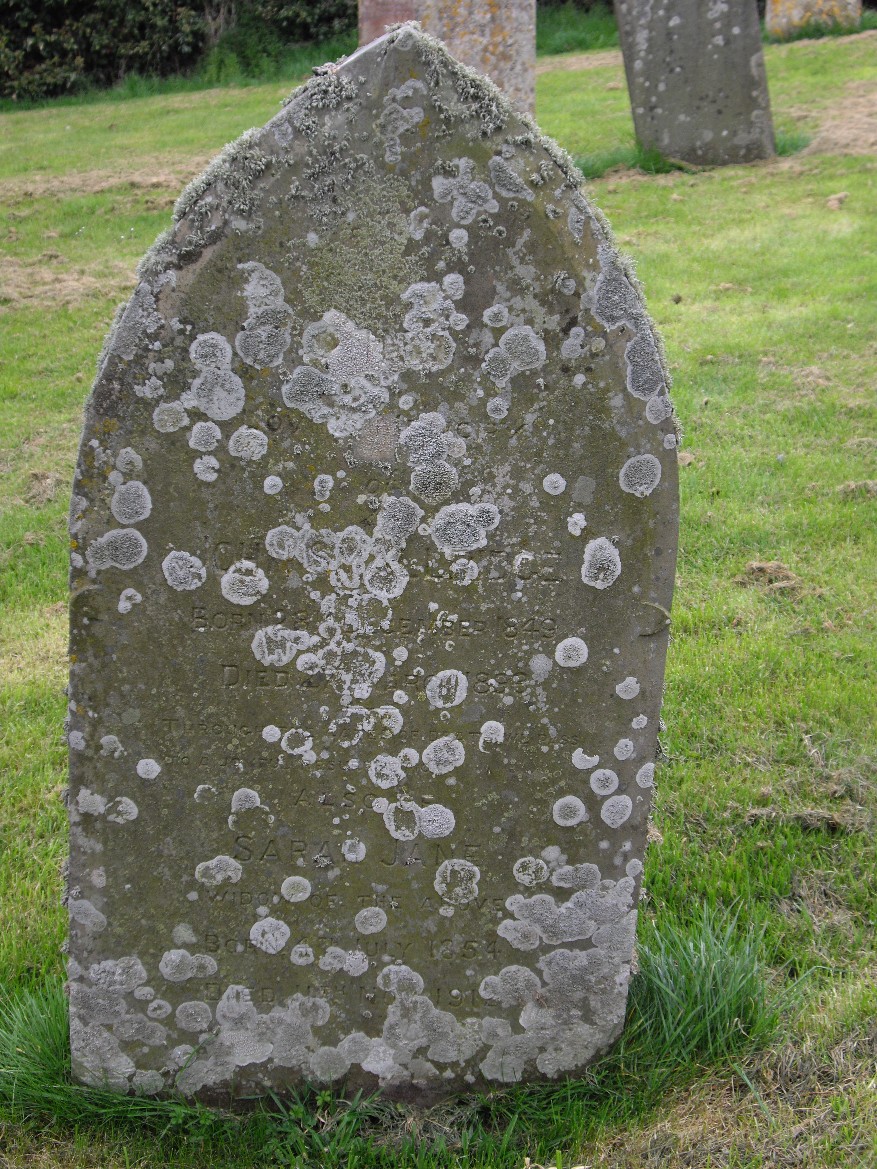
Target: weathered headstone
x=373, y=529
x=695, y=73
x=496, y=39
x=786, y=18
x=375, y=17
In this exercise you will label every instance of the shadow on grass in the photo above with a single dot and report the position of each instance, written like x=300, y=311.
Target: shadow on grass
x=702, y=997
x=652, y=162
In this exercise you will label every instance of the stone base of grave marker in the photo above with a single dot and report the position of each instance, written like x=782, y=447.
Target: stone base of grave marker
x=373, y=540
x=786, y=18
x=695, y=73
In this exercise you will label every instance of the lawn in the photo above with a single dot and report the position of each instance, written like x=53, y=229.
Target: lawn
x=763, y=280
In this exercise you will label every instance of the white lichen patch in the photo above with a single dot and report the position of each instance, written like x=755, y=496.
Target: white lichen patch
x=206, y=469
x=456, y=881
x=216, y=391
x=296, y=888
x=205, y=437
x=645, y=777
x=583, y=761
x=218, y=871
x=443, y=755
x=168, y=417
x=435, y=821
x=554, y=484
x=128, y=598
x=183, y=571
x=244, y=583
x=603, y=781
x=180, y=965
x=628, y=689
x=269, y=935
x=131, y=502
x=248, y=444
x=344, y=382
x=640, y=475
x=122, y=548
x=277, y=646
x=462, y=527
x=616, y=810
x=569, y=811
x=353, y=850
x=267, y=331
x=371, y=920
x=530, y=871
x=447, y=688
x=492, y=734
x=571, y=652
x=601, y=565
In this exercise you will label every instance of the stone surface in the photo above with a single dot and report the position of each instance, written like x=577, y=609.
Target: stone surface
x=375, y=17
x=498, y=40
x=786, y=18
x=373, y=531
x=695, y=73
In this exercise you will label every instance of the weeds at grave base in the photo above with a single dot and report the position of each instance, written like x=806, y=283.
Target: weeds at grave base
x=703, y=997
x=637, y=157
x=816, y=29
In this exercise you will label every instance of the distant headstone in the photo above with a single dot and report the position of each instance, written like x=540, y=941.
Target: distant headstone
x=695, y=73
x=496, y=39
x=374, y=527
x=787, y=18
x=375, y=16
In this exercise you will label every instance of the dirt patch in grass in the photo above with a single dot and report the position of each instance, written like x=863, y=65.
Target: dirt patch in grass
x=579, y=61
x=43, y=487
x=158, y=174
x=39, y=651
x=793, y=1108
x=849, y=126
x=49, y=282
x=864, y=489
x=847, y=819
x=771, y=575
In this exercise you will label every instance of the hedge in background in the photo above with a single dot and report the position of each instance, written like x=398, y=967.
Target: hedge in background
x=50, y=47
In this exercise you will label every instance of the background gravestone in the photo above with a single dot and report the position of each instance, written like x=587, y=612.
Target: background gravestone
x=496, y=39
x=373, y=529
x=375, y=16
x=785, y=18
x=695, y=73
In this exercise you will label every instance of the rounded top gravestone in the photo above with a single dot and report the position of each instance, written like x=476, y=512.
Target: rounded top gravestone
x=373, y=531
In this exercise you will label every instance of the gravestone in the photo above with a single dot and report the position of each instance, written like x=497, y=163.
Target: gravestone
x=373, y=538
x=496, y=39
x=696, y=78
x=375, y=16
x=786, y=18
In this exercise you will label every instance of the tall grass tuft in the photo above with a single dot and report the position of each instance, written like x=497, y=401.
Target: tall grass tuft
x=566, y=28
x=703, y=994
x=702, y=997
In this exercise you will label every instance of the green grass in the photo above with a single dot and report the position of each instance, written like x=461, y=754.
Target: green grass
x=702, y=998
x=565, y=28
x=767, y=298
